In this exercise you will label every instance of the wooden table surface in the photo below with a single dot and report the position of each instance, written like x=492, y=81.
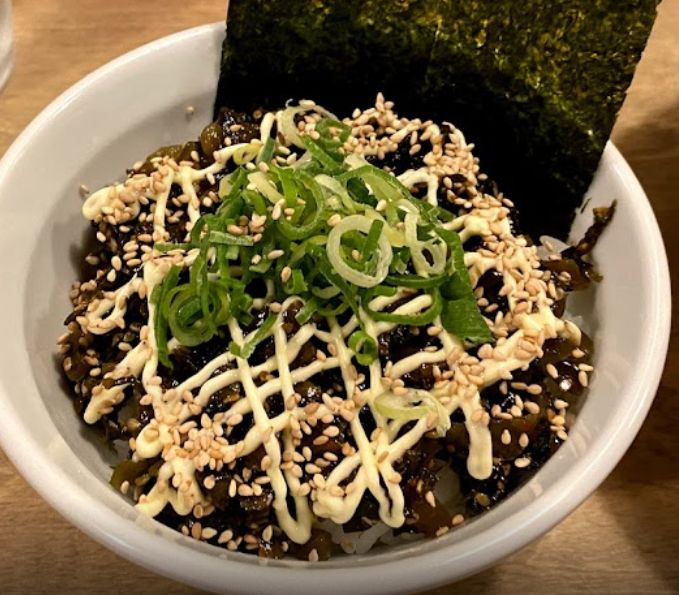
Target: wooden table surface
x=624, y=538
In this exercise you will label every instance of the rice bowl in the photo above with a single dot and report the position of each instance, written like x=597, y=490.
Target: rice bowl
x=594, y=435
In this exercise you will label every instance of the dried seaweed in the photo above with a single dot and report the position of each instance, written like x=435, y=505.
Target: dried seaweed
x=338, y=52
x=537, y=86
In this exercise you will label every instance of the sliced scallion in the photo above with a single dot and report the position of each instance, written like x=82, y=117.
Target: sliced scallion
x=248, y=348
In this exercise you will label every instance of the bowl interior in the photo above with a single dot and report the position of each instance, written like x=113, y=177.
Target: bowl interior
x=138, y=103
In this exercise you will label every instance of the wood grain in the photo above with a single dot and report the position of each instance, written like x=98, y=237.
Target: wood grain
x=623, y=539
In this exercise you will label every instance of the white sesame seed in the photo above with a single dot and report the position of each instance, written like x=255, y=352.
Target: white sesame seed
x=558, y=420
x=531, y=407
x=431, y=500
x=245, y=490
x=208, y=533
x=277, y=210
x=331, y=431
x=235, y=230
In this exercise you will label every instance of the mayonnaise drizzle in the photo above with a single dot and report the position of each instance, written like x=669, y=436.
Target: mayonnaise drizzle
x=371, y=465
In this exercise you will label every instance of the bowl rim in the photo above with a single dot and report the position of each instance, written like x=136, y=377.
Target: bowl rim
x=156, y=553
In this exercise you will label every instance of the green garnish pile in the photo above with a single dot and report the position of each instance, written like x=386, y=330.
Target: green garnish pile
x=338, y=233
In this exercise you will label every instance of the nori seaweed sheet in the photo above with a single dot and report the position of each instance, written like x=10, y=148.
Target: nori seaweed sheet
x=535, y=84
x=337, y=52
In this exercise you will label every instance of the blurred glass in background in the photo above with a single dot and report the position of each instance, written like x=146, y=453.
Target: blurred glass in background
x=6, y=41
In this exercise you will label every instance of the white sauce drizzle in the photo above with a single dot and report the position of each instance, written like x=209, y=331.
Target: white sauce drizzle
x=333, y=497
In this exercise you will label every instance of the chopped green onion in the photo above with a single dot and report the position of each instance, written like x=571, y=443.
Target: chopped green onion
x=462, y=318
x=460, y=315
x=167, y=247
x=203, y=224
x=414, y=405
x=334, y=310
x=325, y=293
x=288, y=127
x=222, y=237
x=416, y=282
x=231, y=252
x=334, y=250
x=324, y=125
x=231, y=184
x=334, y=188
x=379, y=290
x=160, y=322
x=266, y=154
x=290, y=190
x=400, y=408
x=325, y=269
x=363, y=346
x=321, y=155
x=246, y=153
x=302, y=231
x=307, y=311
x=248, y=348
x=436, y=248
x=257, y=201
x=295, y=285
x=262, y=266
x=371, y=241
x=420, y=319
x=388, y=186
x=262, y=182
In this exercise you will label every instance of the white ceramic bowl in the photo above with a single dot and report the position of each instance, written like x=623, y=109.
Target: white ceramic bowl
x=131, y=106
